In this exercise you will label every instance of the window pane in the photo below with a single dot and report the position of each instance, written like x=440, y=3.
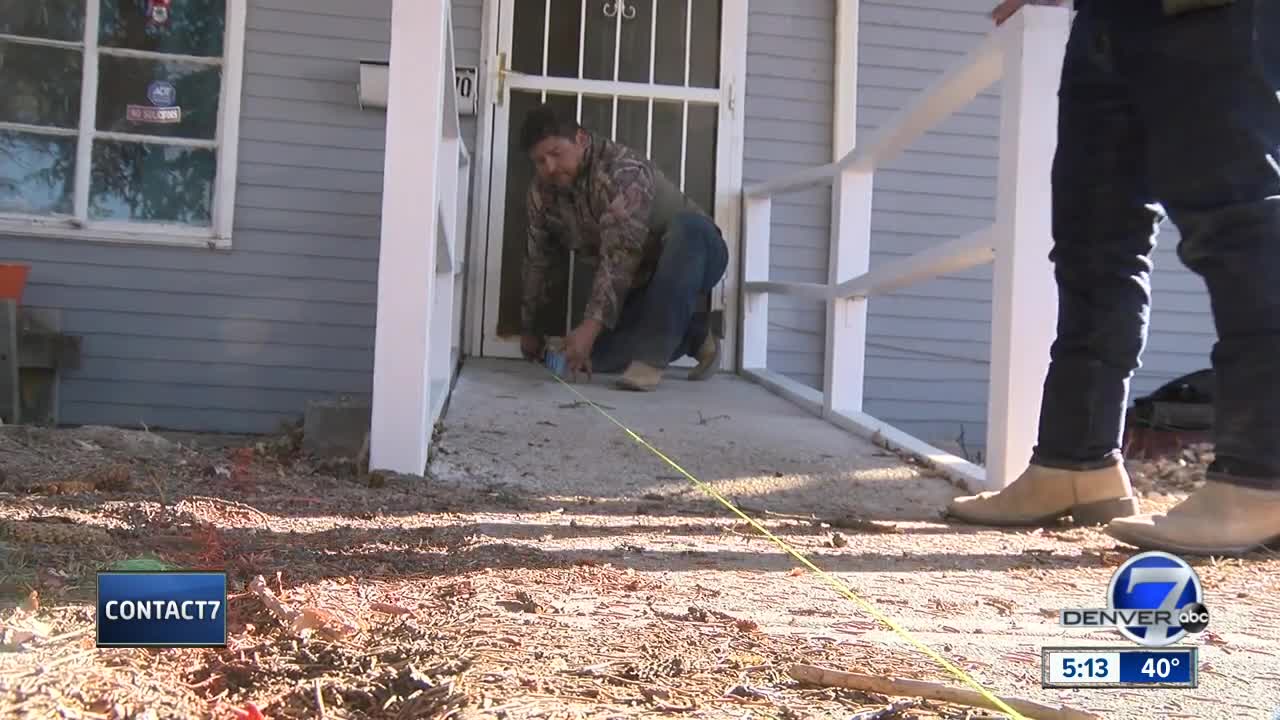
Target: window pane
x=704, y=46
x=668, y=127
x=633, y=124
x=668, y=54
x=600, y=39
x=48, y=19
x=149, y=97
x=37, y=173
x=39, y=85
x=152, y=183
x=637, y=29
x=526, y=38
x=192, y=27
x=597, y=115
x=562, y=46
x=700, y=155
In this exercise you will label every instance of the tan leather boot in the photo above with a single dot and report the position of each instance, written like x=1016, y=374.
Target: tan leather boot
x=708, y=358
x=640, y=377
x=1042, y=495
x=1217, y=519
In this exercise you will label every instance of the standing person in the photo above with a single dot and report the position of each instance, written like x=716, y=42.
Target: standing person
x=1165, y=106
x=657, y=254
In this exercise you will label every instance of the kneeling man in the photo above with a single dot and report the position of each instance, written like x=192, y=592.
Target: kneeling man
x=657, y=254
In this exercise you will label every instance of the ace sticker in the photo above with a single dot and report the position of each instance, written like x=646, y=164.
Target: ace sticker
x=164, y=108
x=162, y=94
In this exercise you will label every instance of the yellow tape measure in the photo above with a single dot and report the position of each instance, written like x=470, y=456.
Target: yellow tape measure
x=835, y=582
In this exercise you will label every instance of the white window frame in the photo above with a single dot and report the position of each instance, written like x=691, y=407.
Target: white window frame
x=225, y=143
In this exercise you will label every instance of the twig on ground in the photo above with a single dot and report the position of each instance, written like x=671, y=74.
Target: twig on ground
x=582, y=403
x=931, y=691
x=319, y=700
x=707, y=420
x=69, y=635
x=886, y=713
x=233, y=504
x=844, y=522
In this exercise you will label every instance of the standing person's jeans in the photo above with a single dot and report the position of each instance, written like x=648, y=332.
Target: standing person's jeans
x=1180, y=111
x=659, y=323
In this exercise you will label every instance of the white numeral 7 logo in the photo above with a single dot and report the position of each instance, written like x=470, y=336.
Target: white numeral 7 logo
x=1150, y=575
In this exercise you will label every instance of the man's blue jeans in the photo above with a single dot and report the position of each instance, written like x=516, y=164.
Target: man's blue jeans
x=660, y=323
x=1179, y=113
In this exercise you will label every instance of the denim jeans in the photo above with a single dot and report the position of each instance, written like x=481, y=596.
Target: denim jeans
x=1175, y=115
x=660, y=322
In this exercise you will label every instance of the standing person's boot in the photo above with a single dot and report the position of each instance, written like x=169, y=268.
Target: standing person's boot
x=1218, y=519
x=1042, y=495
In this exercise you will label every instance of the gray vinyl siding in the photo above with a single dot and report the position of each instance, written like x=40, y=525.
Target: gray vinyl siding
x=240, y=340
x=929, y=344
x=237, y=341
x=789, y=96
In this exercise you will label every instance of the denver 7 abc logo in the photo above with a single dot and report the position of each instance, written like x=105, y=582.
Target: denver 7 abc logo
x=1154, y=599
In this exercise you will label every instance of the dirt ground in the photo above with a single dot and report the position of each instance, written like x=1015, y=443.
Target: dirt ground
x=472, y=595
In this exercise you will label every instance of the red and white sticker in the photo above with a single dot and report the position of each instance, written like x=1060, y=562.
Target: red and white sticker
x=158, y=13
x=153, y=115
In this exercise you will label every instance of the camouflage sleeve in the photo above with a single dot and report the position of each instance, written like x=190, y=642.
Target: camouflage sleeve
x=624, y=230
x=537, y=260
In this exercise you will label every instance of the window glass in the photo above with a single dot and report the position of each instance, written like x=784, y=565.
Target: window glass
x=179, y=27
x=166, y=99
x=47, y=19
x=39, y=85
x=37, y=173
x=148, y=182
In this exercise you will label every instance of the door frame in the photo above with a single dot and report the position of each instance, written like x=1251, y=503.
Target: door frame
x=484, y=261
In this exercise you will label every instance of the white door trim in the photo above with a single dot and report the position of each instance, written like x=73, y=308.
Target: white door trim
x=484, y=269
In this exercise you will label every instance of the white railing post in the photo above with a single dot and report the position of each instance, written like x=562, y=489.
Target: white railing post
x=1023, y=293
x=400, y=431
x=845, y=358
x=754, y=348
x=846, y=353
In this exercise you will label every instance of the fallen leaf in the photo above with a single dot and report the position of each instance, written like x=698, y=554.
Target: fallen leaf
x=311, y=618
x=25, y=631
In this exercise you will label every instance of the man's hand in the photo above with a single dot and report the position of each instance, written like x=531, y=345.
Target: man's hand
x=577, y=347
x=1006, y=9
x=531, y=346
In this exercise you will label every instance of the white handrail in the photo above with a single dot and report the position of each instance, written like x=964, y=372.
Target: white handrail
x=956, y=88
x=1025, y=54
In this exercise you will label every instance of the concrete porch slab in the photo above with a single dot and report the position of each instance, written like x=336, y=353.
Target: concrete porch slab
x=512, y=422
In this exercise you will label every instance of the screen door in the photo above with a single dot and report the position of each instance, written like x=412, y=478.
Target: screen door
x=646, y=73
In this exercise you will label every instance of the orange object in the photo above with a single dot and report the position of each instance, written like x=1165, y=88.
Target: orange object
x=13, y=279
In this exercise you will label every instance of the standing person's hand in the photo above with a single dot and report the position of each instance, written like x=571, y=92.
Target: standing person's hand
x=531, y=347
x=1006, y=9
x=577, y=347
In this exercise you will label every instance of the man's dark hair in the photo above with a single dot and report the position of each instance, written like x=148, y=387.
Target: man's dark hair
x=543, y=122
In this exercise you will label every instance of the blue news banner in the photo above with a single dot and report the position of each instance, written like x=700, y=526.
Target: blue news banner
x=1085, y=667
x=162, y=609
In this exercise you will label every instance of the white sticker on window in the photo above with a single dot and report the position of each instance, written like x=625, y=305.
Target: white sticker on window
x=154, y=115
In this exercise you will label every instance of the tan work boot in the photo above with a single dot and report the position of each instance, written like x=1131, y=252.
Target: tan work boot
x=708, y=358
x=1217, y=519
x=640, y=377
x=1042, y=495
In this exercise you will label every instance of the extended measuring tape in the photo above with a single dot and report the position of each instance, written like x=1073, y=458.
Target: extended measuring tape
x=555, y=364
